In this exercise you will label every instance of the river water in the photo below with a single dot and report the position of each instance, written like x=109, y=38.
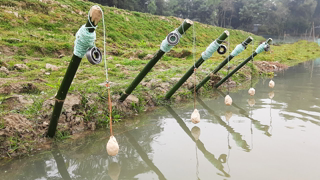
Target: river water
x=276, y=138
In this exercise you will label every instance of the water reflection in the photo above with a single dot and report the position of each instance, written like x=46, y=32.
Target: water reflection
x=236, y=136
x=114, y=170
x=143, y=155
x=256, y=123
x=209, y=156
x=60, y=164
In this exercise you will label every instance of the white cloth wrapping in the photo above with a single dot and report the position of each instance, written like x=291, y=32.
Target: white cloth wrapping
x=228, y=100
x=112, y=146
x=195, y=116
x=271, y=84
x=252, y=91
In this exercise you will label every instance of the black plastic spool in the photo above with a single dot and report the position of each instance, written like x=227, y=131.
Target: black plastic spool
x=94, y=55
x=173, y=39
x=267, y=47
x=224, y=49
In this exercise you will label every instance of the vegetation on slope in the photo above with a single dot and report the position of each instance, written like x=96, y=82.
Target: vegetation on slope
x=36, y=33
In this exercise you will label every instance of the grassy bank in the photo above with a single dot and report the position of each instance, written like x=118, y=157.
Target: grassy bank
x=35, y=33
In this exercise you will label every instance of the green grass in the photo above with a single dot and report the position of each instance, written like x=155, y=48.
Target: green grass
x=42, y=32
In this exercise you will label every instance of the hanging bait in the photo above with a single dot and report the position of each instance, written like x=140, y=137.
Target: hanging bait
x=228, y=100
x=195, y=116
x=271, y=84
x=252, y=91
x=112, y=146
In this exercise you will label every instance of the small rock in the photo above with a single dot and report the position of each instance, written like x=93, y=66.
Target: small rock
x=4, y=70
x=16, y=14
x=110, y=58
x=61, y=55
x=47, y=73
x=118, y=65
x=20, y=67
x=52, y=67
x=133, y=98
x=93, y=126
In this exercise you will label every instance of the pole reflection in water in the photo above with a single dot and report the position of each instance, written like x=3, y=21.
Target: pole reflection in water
x=62, y=169
x=195, y=131
x=209, y=156
x=270, y=112
x=114, y=170
x=236, y=136
x=143, y=155
x=256, y=123
x=251, y=103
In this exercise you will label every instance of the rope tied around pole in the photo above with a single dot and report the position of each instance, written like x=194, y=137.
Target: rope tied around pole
x=213, y=47
x=239, y=48
x=84, y=41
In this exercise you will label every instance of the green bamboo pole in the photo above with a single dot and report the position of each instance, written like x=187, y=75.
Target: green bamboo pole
x=228, y=59
x=181, y=29
x=256, y=52
x=204, y=56
x=68, y=78
x=209, y=156
x=235, y=135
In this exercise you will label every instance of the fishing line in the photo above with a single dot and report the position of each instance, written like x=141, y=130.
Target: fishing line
x=195, y=68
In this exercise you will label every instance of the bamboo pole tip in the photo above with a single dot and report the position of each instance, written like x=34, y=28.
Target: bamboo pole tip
x=227, y=32
x=95, y=14
x=251, y=38
x=189, y=21
x=269, y=40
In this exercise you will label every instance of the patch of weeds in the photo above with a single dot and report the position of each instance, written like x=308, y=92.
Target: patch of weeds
x=2, y=124
x=61, y=135
x=35, y=108
x=128, y=62
x=142, y=55
x=30, y=89
x=3, y=75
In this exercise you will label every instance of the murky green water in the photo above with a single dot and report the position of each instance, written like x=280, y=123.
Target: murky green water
x=277, y=138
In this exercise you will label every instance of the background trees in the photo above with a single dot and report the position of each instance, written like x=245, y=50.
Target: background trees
x=272, y=16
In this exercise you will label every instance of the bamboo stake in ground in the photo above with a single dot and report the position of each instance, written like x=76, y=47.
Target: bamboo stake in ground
x=204, y=56
x=239, y=48
x=95, y=15
x=260, y=48
x=170, y=41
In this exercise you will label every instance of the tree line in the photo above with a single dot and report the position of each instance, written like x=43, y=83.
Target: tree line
x=276, y=17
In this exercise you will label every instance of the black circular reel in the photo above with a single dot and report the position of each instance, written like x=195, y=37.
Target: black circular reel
x=173, y=38
x=267, y=47
x=94, y=55
x=222, y=49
